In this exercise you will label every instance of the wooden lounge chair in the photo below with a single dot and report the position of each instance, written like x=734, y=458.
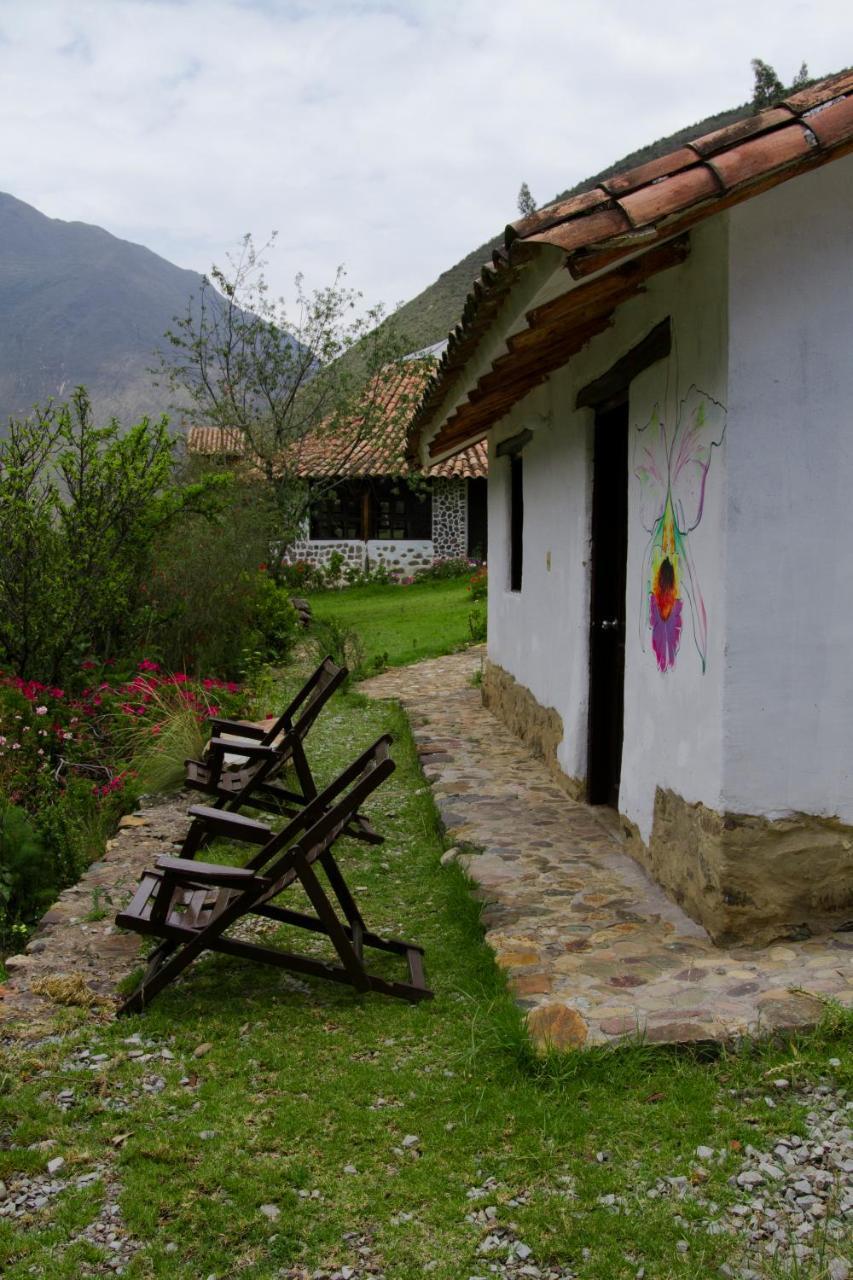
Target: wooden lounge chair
x=190, y=905
x=260, y=755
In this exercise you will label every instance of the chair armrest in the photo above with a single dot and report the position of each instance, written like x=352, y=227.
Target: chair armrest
x=233, y=825
x=240, y=747
x=209, y=873
x=242, y=728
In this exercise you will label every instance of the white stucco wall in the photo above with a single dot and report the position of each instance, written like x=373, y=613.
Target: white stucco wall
x=673, y=721
x=789, y=664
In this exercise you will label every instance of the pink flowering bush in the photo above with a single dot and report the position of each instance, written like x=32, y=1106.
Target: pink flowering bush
x=70, y=763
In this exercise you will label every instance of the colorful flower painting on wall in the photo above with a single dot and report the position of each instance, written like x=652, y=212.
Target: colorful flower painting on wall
x=672, y=468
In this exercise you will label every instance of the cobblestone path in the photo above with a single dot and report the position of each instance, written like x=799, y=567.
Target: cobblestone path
x=592, y=947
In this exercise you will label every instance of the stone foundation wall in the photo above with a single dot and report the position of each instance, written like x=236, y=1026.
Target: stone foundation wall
x=749, y=879
x=402, y=558
x=320, y=553
x=449, y=518
x=541, y=728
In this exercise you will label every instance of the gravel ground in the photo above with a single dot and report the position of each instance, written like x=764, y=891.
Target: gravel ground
x=792, y=1206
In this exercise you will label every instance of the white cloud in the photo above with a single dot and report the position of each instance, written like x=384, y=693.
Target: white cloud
x=388, y=136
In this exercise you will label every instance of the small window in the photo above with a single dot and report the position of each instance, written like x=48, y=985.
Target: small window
x=337, y=513
x=516, y=522
x=399, y=513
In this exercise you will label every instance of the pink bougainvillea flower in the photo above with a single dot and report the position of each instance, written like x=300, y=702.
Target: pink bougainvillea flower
x=56, y=693
x=147, y=665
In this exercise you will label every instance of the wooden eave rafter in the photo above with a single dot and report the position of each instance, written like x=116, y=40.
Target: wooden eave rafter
x=555, y=331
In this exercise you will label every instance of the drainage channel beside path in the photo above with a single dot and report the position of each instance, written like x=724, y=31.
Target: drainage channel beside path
x=593, y=949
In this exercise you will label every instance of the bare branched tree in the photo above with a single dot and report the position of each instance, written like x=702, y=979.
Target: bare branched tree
x=284, y=384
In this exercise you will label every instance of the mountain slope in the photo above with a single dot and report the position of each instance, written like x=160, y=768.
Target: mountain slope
x=433, y=313
x=78, y=305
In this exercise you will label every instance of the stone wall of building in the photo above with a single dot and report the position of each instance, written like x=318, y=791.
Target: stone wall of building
x=449, y=518
x=539, y=727
x=749, y=879
x=353, y=551
x=404, y=558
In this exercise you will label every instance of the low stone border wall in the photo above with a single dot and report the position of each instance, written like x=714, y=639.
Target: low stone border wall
x=76, y=938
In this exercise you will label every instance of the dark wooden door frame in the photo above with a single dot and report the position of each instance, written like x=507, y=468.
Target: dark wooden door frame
x=607, y=395
x=607, y=607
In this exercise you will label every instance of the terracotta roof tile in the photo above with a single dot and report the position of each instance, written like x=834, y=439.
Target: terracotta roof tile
x=832, y=123
x=758, y=156
x=816, y=93
x=211, y=442
x=660, y=199
x=590, y=228
x=729, y=136
x=635, y=209
x=329, y=454
x=662, y=167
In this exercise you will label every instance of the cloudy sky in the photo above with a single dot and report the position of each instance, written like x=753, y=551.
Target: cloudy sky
x=391, y=136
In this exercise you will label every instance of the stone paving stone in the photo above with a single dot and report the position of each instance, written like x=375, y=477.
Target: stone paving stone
x=592, y=948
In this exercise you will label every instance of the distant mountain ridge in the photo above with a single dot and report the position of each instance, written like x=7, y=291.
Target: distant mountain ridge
x=79, y=305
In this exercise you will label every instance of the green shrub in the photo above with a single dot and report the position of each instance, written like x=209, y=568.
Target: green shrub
x=81, y=510
x=275, y=620
x=333, y=638
x=477, y=625
x=213, y=606
x=371, y=575
x=453, y=567
x=28, y=883
x=301, y=576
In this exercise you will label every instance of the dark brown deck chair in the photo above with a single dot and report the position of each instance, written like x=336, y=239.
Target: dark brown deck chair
x=266, y=754
x=190, y=905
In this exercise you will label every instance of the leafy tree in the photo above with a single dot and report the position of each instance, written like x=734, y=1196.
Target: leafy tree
x=768, y=87
x=526, y=203
x=801, y=79
x=284, y=379
x=81, y=509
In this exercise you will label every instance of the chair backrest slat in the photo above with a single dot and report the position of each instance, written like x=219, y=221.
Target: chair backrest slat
x=324, y=818
x=313, y=696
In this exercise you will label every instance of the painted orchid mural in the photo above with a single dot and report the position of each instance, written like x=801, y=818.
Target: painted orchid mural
x=672, y=468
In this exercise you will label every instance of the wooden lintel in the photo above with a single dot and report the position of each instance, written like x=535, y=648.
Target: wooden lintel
x=509, y=448
x=609, y=389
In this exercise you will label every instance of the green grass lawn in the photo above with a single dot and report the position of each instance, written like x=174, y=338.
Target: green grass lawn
x=381, y=1133
x=398, y=625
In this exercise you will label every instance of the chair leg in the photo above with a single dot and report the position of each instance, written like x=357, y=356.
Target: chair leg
x=303, y=771
x=163, y=968
x=349, y=953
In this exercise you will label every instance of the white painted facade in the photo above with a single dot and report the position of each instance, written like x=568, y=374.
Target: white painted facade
x=762, y=322
x=789, y=674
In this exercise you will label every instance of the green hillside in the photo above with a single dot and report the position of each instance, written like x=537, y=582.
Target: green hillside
x=432, y=314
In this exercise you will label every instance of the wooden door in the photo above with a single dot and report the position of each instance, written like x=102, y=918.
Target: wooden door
x=607, y=604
